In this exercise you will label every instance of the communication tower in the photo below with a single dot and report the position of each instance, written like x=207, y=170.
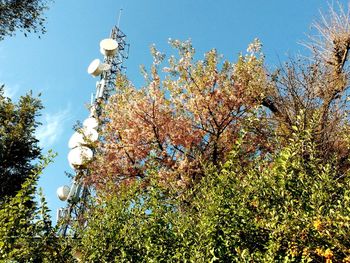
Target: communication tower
x=114, y=50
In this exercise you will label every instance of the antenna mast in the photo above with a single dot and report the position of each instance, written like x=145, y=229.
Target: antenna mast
x=120, y=14
x=114, y=50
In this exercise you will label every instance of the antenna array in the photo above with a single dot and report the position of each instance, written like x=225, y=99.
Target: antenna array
x=114, y=50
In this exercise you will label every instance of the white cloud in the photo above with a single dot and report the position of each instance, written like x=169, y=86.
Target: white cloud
x=52, y=128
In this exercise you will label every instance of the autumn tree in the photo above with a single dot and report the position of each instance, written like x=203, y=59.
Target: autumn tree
x=19, y=148
x=314, y=90
x=24, y=15
x=258, y=159
x=175, y=125
x=190, y=113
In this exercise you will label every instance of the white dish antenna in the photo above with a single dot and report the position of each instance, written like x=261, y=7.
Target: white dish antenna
x=90, y=134
x=90, y=123
x=96, y=67
x=63, y=192
x=108, y=47
x=84, y=136
x=76, y=140
x=79, y=156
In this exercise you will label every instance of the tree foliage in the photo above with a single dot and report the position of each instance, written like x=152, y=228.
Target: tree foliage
x=24, y=15
x=284, y=209
x=26, y=232
x=192, y=117
x=18, y=146
x=227, y=162
x=317, y=87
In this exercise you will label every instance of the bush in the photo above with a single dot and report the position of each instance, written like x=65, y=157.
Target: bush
x=26, y=231
x=290, y=207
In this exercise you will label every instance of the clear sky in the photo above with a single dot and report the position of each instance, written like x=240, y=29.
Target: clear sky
x=56, y=64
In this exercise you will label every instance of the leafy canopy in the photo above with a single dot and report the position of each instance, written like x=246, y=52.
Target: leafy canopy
x=191, y=117
x=214, y=161
x=19, y=148
x=284, y=209
x=24, y=15
x=26, y=232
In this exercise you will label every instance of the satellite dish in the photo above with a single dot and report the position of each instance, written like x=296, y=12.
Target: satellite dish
x=90, y=123
x=76, y=140
x=63, y=192
x=90, y=134
x=96, y=67
x=105, y=67
x=108, y=47
x=79, y=156
x=83, y=136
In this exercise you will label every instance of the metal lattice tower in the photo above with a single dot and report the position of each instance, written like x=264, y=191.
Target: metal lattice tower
x=115, y=51
x=116, y=63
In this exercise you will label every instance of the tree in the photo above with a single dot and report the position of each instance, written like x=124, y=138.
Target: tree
x=315, y=89
x=25, y=15
x=281, y=209
x=269, y=185
x=26, y=232
x=19, y=148
x=192, y=117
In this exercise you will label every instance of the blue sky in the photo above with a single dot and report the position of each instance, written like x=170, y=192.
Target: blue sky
x=56, y=64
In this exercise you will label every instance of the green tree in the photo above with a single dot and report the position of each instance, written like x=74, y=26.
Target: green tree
x=24, y=15
x=284, y=208
x=26, y=232
x=19, y=148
